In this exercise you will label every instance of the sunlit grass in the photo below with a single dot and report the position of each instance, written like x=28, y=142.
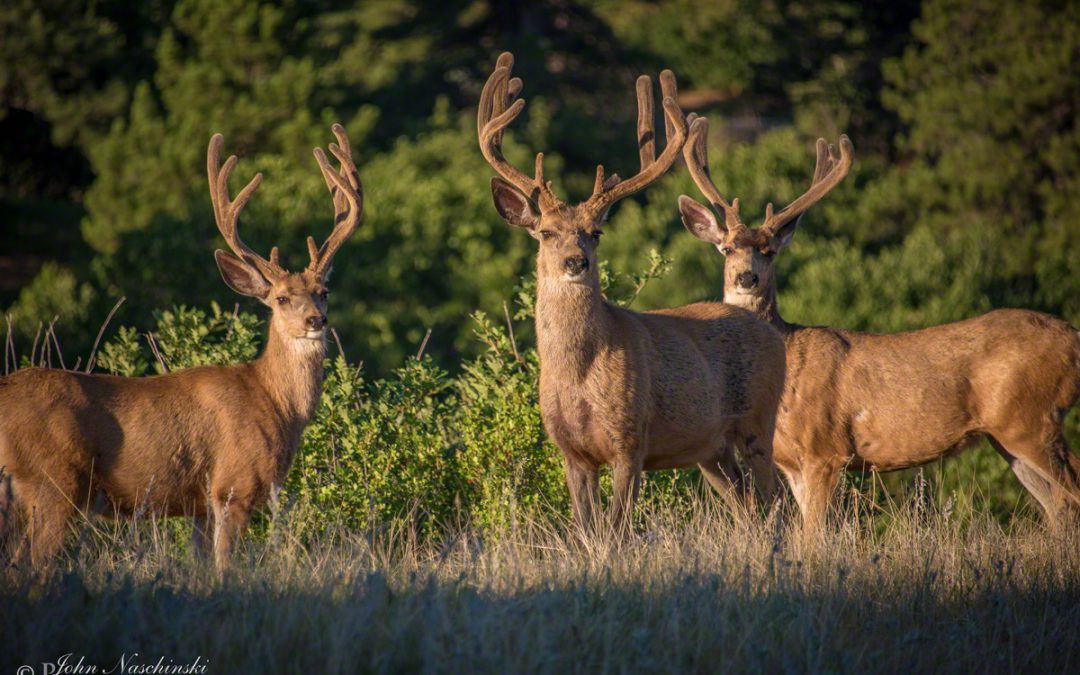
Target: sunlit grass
x=695, y=588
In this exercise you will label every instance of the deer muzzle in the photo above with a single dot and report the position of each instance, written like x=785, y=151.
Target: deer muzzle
x=746, y=280
x=576, y=265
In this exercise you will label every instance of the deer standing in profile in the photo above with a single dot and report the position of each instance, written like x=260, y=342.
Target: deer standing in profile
x=868, y=402
x=636, y=390
x=210, y=442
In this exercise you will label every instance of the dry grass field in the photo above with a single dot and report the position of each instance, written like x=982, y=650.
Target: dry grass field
x=695, y=589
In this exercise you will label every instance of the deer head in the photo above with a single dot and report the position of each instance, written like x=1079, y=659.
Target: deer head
x=568, y=235
x=749, y=253
x=297, y=299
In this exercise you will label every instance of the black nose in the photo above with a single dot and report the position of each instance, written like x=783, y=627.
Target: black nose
x=746, y=280
x=576, y=264
x=316, y=322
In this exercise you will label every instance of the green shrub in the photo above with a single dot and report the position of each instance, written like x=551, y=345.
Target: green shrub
x=376, y=455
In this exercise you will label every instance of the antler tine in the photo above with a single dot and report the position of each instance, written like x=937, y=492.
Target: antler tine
x=227, y=212
x=340, y=202
x=824, y=160
x=669, y=89
x=348, y=195
x=499, y=106
x=646, y=135
x=696, y=154
x=832, y=171
x=651, y=169
x=501, y=94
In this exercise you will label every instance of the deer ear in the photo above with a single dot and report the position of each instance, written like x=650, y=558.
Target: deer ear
x=700, y=220
x=241, y=277
x=787, y=232
x=513, y=206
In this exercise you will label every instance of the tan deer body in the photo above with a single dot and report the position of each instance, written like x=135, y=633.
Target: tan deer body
x=155, y=444
x=881, y=402
x=656, y=390
x=203, y=442
x=637, y=391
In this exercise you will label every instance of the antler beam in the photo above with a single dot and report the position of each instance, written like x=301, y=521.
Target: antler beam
x=348, y=196
x=227, y=212
x=696, y=154
x=499, y=106
x=606, y=193
x=830, y=169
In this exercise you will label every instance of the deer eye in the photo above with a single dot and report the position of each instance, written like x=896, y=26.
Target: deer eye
x=282, y=300
x=596, y=235
x=546, y=234
x=768, y=253
x=726, y=250
x=324, y=294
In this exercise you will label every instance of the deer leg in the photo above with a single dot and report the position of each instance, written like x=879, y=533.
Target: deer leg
x=231, y=515
x=1058, y=501
x=49, y=500
x=757, y=453
x=48, y=514
x=798, y=486
x=626, y=481
x=725, y=477
x=819, y=483
x=8, y=517
x=583, y=483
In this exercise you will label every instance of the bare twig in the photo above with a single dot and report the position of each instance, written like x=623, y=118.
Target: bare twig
x=9, y=347
x=337, y=341
x=101, y=331
x=510, y=330
x=52, y=333
x=33, y=349
x=423, y=345
x=157, y=353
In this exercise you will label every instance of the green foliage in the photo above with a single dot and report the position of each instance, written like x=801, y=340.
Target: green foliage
x=431, y=247
x=374, y=457
x=191, y=337
x=55, y=292
x=926, y=280
x=183, y=338
x=509, y=467
x=990, y=95
x=123, y=355
x=67, y=70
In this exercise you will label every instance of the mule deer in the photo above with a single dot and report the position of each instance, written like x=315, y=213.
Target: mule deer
x=862, y=401
x=206, y=441
x=637, y=390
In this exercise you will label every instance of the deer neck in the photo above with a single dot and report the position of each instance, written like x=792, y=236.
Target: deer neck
x=291, y=372
x=571, y=322
x=763, y=305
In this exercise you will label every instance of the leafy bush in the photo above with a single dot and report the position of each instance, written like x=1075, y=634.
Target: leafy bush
x=508, y=465
x=376, y=455
x=183, y=338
